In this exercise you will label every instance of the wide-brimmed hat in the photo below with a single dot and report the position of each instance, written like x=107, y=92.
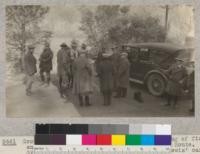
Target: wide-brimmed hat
x=82, y=52
x=113, y=47
x=179, y=59
x=107, y=54
x=74, y=43
x=46, y=44
x=63, y=45
x=124, y=54
x=83, y=45
x=31, y=47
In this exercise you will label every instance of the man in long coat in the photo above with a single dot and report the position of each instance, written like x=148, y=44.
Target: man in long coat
x=115, y=59
x=82, y=72
x=46, y=63
x=63, y=67
x=30, y=69
x=106, y=75
x=190, y=86
x=177, y=75
x=123, y=75
x=73, y=56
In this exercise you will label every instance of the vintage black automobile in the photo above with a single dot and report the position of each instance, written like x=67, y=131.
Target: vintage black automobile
x=149, y=62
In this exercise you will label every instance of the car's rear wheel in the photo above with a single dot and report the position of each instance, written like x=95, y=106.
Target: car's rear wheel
x=156, y=84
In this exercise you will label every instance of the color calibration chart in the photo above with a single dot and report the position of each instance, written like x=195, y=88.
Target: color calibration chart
x=96, y=138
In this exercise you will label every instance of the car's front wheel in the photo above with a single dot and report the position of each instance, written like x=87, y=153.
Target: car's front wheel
x=156, y=84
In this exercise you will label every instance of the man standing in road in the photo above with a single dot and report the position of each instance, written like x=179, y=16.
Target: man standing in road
x=105, y=73
x=177, y=75
x=115, y=59
x=123, y=75
x=82, y=70
x=63, y=68
x=30, y=69
x=73, y=56
x=46, y=63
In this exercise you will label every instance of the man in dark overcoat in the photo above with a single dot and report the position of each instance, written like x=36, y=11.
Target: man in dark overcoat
x=190, y=86
x=73, y=56
x=30, y=68
x=106, y=75
x=63, y=68
x=99, y=58
x=123, y=75
x=115, y=59
x=46, y=63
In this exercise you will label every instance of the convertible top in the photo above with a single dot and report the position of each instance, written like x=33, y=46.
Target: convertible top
x=158, y=45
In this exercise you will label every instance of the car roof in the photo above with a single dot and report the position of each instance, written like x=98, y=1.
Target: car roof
x=158, y=45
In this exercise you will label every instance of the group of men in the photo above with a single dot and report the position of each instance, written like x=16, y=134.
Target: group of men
x=113, y=72
x=76, y=70
x=30, y=67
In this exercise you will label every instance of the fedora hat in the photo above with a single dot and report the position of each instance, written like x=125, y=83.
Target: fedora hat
x=82, y=52
x=107, y=54
x=124, y=54
x=31, y=47
x=63, y=45
x=83, y=45
x=46, y=44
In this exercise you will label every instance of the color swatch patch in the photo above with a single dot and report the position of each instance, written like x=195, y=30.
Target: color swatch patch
x=118, y=139
x=88, y=139
x=104, y=139
x=102, y=134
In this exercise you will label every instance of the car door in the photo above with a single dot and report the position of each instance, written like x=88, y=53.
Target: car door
x=144, y=64
x=134, y=61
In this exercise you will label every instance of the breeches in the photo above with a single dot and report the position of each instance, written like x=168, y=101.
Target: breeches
x=29, y=81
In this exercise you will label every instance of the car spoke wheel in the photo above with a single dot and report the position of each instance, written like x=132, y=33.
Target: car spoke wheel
x=156, y=84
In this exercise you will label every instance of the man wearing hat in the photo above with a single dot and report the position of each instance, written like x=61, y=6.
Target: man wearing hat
x=82, y=85
x=176, y=76
x=46, y=63
x=83, y=49
x=73, y=56
x=99, y=57
x=105, y=73
x=115, y=59
x=74, y=51
x=30, y=68
x=63, y=68
x=123, y=75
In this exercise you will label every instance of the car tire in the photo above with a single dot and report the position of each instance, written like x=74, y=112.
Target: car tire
x=156, y=84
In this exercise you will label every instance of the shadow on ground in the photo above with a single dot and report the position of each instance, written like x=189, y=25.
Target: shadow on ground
x=129, y=107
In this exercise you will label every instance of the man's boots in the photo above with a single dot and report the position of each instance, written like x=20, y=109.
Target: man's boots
x=80, y=100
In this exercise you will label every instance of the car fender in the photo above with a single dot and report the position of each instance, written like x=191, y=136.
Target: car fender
x=157, y=72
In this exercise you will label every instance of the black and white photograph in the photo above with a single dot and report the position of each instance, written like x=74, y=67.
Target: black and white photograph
x=100, y=61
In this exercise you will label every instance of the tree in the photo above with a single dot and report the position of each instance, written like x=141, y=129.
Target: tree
x=95, y=23
x=115, y=25
x=88, y=25
x=22, y=28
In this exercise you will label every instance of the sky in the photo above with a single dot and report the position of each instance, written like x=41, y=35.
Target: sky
x=64, y=22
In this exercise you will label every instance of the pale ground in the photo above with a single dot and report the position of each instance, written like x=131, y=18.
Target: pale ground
x=46, y=102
